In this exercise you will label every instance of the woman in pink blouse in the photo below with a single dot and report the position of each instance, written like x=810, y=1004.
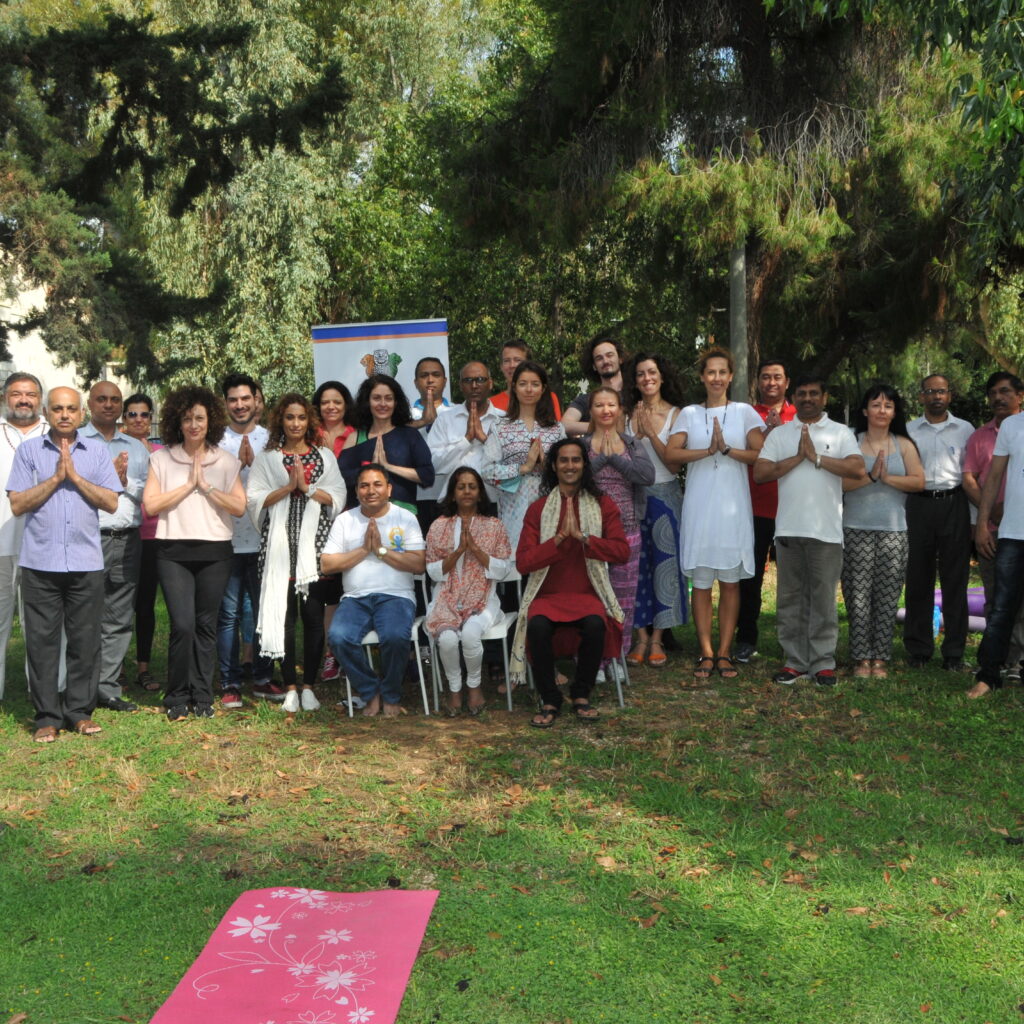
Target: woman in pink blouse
x=194, y=488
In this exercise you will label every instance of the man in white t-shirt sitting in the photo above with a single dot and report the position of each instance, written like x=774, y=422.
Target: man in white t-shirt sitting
x=1007, y=552
x=809, y=456
x=378, y=548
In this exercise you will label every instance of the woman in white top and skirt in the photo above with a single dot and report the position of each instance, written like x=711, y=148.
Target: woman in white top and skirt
x=716, y=441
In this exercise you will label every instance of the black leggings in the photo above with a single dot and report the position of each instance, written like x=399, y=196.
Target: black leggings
x=312, y=614
x=145, y=602
x=540, y=633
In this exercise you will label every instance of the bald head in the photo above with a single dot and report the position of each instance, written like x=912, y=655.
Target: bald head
x=475, y=380
x=64, y=411
x=105, y=406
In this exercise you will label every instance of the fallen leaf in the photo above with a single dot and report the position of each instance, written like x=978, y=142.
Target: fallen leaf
x=886, y=877
x=858, y=910
x=808, y=855
x=791, y=813
x=902, y=758
x=608, y=863
x=515, y=791
x=715, y=978
x=522, y=889
x=648, y=922
x=494, y=935
x=18, y=1018
x=925, y=1007
x=855, y=712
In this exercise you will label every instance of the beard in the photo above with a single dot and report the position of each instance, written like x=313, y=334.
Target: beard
x=21, y=417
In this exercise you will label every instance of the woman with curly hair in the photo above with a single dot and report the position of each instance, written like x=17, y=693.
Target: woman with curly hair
x=515, y=449
x=295, y=491
x=194, y=489
x=468, y=554
x=385, y=437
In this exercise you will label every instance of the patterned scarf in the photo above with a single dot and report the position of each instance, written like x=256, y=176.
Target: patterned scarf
x=597, y=572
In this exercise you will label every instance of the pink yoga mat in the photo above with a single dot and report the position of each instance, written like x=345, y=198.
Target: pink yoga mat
x=304, y=956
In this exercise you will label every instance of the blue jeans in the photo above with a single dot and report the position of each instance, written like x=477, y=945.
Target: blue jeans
x=1006, y=602
x=391, y=617
x=244, y=578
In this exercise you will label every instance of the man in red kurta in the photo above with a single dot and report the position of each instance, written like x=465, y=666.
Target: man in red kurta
x=568, y=538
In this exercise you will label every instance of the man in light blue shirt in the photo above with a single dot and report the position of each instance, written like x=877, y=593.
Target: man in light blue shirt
x=119, y=534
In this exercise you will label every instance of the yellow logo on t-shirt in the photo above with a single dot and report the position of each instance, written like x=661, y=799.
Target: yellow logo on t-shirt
x=396, y=538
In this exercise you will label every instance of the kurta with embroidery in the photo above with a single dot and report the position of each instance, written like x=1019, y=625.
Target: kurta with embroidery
x=566, y=593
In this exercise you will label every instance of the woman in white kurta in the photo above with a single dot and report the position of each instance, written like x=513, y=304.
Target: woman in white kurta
x=716, y=441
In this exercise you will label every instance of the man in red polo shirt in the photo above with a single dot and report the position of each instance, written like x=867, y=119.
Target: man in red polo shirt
x=772, y=384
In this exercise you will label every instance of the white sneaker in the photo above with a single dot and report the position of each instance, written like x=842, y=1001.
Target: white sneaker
x=291, y=701
x=616, y=671
x=309, y=701
x=600, y=677
x=357, y=703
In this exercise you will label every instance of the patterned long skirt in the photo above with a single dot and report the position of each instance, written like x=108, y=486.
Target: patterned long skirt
x=623, y=579
x=661, y=589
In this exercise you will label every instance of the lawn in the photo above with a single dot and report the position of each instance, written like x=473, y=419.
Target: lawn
x=730, y=851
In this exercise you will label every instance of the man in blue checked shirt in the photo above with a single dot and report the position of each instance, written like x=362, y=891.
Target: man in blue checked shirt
x=119, y=534
x=60, y=482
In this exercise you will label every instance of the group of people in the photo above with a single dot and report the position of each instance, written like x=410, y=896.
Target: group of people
x=575, y=521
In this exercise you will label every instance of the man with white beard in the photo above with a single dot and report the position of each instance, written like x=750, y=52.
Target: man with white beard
x=23, y=396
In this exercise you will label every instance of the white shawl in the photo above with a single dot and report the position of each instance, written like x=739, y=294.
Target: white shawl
x=268, y=474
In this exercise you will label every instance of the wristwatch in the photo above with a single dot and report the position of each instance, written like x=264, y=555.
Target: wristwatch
x=381, y=551
x=727, y=449
x=585, y=538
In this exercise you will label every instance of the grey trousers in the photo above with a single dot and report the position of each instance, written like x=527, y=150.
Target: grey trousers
x=72, y=601
x=806, y=615
x=122, y=556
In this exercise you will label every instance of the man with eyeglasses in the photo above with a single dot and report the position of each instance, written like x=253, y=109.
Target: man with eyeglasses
x=23, y=395
x=938, y=531
x=119, y=536
x=460, y=432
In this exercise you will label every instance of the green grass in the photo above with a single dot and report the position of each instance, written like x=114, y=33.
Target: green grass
x=729, y=852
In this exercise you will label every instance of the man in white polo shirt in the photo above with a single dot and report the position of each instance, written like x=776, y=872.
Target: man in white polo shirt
x=378, y=548
x=1007, y=552
x=809, y=456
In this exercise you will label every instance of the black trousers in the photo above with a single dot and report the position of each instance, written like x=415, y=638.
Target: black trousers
x=750, y=589
x=540, y=633
x=939, y=534
x=193, y=592
x=52, y=601
x=145, y=602
x=311, y=611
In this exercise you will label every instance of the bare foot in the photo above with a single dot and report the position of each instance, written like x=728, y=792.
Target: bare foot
x=862, y=670
x=879, y=669
x=393, y=710
x=979, y=689
x=372, y=707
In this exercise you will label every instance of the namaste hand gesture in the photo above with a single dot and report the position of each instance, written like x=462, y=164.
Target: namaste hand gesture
x=371, y=539
x=121, y=468
x=644, y=427
x=773, y=419
x=717, y=439
x=65, y=467
x=379, y=455
x=245, y=452
x=609, y=443
x=880, y=470
x=806, y=448
x=533, y=456
x=196, y=476
x=571, y=525
x=297, y=478
x=429, y=409
x=474, y=426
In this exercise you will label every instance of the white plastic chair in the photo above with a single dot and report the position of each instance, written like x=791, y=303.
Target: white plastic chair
x=371, y=639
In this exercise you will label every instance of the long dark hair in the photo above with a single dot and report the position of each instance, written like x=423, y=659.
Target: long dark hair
x=364, y=415
x=671, y=388
x=448, y=507
x=349, y=419
x=276, y=429
x=549, y=481
x=545, y=412
x=899, y=419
